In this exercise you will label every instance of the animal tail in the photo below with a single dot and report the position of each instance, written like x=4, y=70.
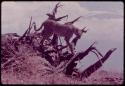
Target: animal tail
x=38, y=28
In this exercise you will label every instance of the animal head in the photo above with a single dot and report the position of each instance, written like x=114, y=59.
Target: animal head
x=83, y=30
x=80, y=32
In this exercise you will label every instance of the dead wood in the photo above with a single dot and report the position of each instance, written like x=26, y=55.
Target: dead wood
x=87, y=72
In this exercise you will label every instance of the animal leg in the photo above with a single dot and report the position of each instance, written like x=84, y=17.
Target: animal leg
x=70, y=46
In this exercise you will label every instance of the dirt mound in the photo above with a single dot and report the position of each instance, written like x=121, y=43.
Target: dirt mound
x=31, y=70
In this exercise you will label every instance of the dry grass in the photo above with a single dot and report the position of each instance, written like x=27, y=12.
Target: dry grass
x=30, y=69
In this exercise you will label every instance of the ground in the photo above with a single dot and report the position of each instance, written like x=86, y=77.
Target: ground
x=30, y=70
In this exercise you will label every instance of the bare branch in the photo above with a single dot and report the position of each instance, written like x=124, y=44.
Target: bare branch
x=78, y=56
x=98, y=52
x=87, y=72
x=27, y=31
x=58, y=19
x=38, y=28
x=55, y=9
x=73, y=20
x=95, y=53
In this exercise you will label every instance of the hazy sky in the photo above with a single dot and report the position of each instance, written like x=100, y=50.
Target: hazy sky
x=104, y=21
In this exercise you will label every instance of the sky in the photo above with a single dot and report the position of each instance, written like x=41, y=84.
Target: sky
x=104, y=21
